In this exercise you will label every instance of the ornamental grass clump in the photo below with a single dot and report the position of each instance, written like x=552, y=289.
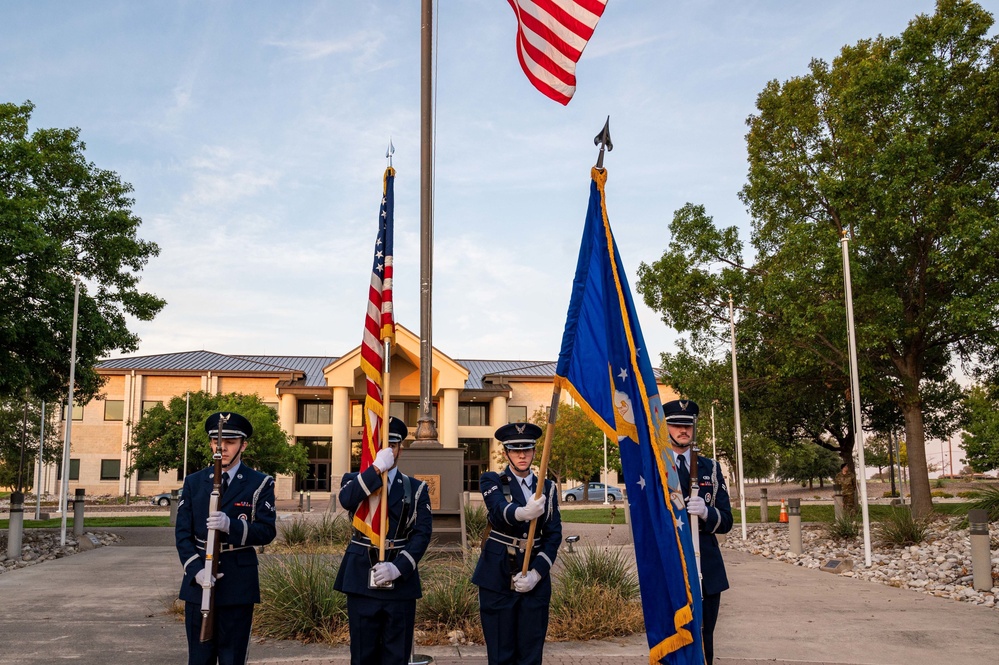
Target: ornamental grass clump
x=594, y=596
x=899, y=528
x=476, y=521
x=298, y=601
x=843, y=528
x=450, y=601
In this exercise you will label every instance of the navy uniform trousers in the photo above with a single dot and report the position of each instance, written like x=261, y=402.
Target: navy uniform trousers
x=249, y=503
x=514, y=624
x=710, y=487
x=382, y=620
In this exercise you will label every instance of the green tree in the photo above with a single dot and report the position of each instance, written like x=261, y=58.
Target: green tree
x=577, y=445
x=13, y=434
x=158, y=438
x=981, y=430
x=62, y=217
x=895, y=147
x=806, y=464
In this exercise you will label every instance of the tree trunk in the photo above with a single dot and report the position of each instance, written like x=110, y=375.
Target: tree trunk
x=919, y=477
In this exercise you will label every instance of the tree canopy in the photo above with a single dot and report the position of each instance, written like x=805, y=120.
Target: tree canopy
x=14, y=432
x=981, y=430
x=62, y=217
x=158, y=438
x=577, y=445
x=895, y=148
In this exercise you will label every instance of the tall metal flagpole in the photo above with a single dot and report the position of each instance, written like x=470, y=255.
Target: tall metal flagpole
x=738, y=423
x=64, y=499
x=426, y=428
x=858, y=425
x=187, y=427
x=714, y=441
x=41, y=451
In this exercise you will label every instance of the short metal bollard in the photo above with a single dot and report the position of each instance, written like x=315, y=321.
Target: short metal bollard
x=981, y=556
x=301, y=500
x=570, y=541
x=308, y=501
x=16, y=526
x=794, y=524
x=764, y=506
x=78, y=503
x=174, y=500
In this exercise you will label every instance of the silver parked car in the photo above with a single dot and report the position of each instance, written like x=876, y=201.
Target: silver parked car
x=164, y=498
x=594, y=492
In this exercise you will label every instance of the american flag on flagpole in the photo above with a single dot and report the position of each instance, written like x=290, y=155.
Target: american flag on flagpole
x=379, y=325
x=551, y=36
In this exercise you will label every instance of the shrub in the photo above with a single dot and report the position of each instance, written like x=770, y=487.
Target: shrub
x=331, y=530
x=298, y=601
x=970, y=494
x=450, y=600
x=942, y=495
x=889, y=494
x=843, y=528
x=295, y=532
x=594, y=596
x=476, y=521
x=898, y=527
x=989, y=502
x=603, y=567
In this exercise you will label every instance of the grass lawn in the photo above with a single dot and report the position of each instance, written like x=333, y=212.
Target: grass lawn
x=94, y=522
x=809, y=513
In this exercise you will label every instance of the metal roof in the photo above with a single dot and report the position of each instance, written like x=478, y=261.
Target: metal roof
x=312, y=366
x=208, y=361
x=479, y=369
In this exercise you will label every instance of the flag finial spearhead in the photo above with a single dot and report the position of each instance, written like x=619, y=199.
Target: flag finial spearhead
x=389, y=152
x=603, y=139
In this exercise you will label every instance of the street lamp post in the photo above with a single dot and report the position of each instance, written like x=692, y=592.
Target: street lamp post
x=738, y=424
x=64, y=499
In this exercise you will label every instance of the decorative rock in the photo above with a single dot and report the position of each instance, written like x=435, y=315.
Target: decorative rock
x=39, y=545
x=941, y=566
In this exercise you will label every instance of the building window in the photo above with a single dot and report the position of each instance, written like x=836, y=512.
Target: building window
x=272, y=405
x=409, y=413
x=476, y=461
x=114, y=409
x=149, y=404
x=473, y=414
x=74, y=470
x=153, y=475
x=315, y=412
x=356, y=414
x=110, y=469
x=77, y=412
x=516, y=414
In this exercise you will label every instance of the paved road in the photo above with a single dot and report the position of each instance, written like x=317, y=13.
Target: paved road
x=111, y=605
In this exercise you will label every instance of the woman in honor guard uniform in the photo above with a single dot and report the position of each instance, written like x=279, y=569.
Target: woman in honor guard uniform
x=513, y=606
x=245, y=518
x=381, y=596
x=710, y=505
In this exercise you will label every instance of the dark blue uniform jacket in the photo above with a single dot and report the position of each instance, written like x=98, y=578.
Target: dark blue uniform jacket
x=711, y=488
x=249, y=503
x=495, y=567
x=409, y=529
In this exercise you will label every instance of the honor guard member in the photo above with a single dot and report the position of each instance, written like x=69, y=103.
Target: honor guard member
x=710, y=505
x=381, y=597
x=513, y=607
x=244, y=520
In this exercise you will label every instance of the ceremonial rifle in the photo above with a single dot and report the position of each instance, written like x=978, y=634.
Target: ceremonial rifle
x=695, y=533
x=214, y=545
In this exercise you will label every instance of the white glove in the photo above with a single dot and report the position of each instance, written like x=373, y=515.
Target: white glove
x=203, y=575
x=218, y=520
x=697, y=507
x=384, y=572
x=532, y=509
x=523, y=583
x=384, y=460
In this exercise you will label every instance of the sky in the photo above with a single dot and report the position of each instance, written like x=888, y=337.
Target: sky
x=254, y=134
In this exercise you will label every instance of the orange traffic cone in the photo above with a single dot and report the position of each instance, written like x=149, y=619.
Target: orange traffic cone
x=783, y=512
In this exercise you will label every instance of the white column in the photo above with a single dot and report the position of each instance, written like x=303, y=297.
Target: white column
x=341, y=434
x=498, y=416
x=448, y=418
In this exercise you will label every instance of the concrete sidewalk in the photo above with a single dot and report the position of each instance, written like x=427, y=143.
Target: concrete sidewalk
x=111, y=605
